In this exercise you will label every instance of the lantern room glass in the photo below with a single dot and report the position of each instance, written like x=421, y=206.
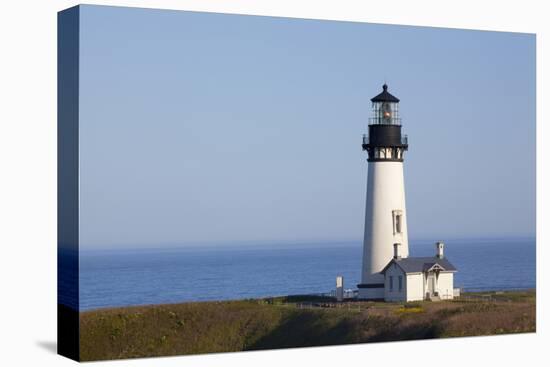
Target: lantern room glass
x=385, y=113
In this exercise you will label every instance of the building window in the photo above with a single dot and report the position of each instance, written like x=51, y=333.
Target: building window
x=391, y=283
x=397, y=221
x=400, y=283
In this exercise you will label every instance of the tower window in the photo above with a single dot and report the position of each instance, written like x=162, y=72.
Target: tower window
x=391, y=283
x=397, y=221
x=400, y=283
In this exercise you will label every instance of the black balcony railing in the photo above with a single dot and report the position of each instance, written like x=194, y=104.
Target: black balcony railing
x=404, y=139
x=384, y=121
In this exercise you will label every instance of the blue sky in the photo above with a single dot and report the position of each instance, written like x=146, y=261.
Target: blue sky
x=210, y=128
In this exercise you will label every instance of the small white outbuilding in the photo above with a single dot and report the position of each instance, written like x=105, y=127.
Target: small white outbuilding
x=418, y=278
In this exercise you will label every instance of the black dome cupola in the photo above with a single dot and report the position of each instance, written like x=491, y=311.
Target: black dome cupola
x=385, y=96
x=384, y=141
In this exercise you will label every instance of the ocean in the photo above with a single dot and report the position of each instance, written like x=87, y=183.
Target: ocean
x=111, y=278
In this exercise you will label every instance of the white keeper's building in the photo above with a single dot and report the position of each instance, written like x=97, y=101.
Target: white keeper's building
x=419, y=278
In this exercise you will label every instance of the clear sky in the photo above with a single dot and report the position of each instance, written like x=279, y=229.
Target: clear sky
x=210, y=128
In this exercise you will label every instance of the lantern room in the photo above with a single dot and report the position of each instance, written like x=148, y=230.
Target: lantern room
x=385, y=109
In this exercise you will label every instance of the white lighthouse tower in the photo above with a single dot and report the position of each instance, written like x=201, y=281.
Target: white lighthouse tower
x=385, y=215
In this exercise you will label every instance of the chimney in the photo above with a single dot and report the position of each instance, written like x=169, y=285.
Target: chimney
x=439, y=249
x=396, y=253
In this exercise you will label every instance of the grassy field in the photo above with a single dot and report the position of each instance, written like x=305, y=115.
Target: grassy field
x=297, y=321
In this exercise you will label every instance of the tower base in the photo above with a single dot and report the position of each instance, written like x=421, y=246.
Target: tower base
x=370, y=291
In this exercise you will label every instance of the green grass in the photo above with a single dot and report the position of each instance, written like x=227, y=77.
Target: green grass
x=209, y=327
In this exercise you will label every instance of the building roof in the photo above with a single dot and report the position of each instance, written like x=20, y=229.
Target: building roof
x=421, y=264
x=385, y=96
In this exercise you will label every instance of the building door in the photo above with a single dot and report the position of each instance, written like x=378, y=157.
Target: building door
x=431, y=283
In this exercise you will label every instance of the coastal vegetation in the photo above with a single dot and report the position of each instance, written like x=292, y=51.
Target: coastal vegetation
x=294, y=321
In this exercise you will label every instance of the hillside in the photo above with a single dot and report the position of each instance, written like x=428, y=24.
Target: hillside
x=285, y=322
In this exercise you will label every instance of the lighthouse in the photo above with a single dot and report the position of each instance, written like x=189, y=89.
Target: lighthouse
x=385, y=214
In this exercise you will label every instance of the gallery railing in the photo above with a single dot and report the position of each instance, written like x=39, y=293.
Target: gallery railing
x=404, y=139
x=384, y=121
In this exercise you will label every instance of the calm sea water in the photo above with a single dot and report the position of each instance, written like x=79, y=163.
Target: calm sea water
x=133, y=277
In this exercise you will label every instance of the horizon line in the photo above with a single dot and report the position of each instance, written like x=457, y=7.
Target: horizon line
x=284, y=242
